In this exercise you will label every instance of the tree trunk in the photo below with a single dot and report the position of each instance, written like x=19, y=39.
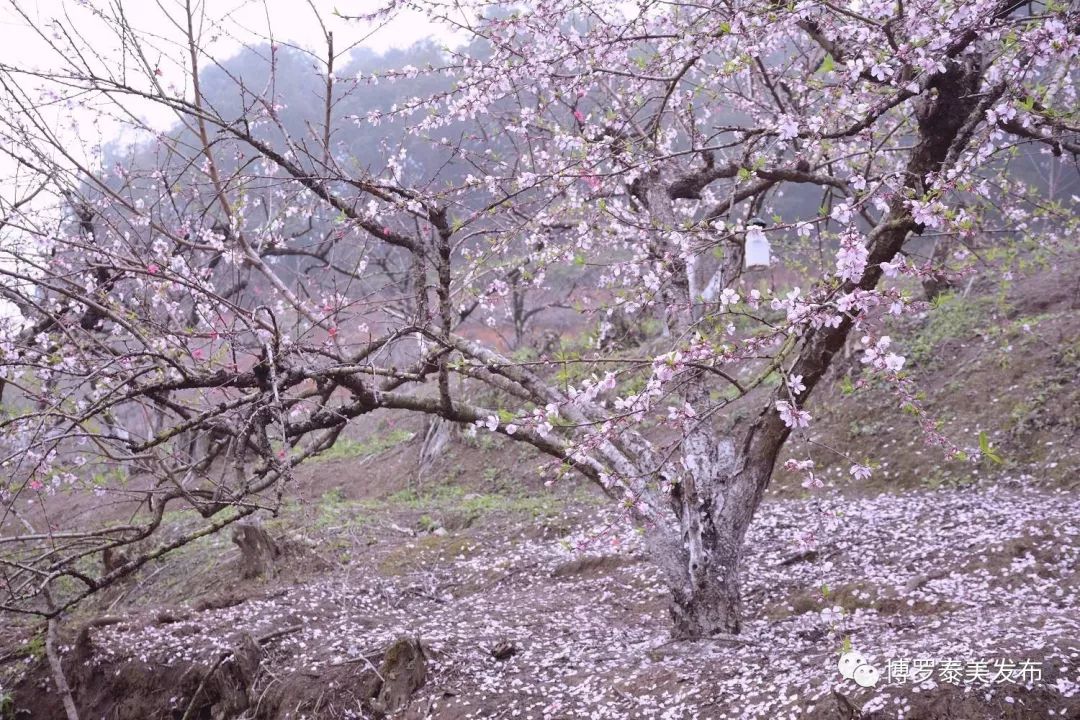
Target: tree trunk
x=702, y=567
x=702, y=559
x=258, y=550
x=710, y=603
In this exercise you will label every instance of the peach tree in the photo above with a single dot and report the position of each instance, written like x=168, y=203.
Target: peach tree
x=746, y=185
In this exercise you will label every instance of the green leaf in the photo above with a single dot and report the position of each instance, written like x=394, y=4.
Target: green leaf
x=828, y=64
x=987, y=451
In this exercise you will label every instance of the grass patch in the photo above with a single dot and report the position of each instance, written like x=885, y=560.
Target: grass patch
x=35, y=646
x=951, y=317
x=335, y=510
x=458, y=499
x=351, y=449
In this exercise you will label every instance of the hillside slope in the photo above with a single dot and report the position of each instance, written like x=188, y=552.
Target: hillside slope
x=534, y=601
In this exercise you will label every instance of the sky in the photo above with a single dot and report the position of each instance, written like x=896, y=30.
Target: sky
x=226, y=26
x=289, y=20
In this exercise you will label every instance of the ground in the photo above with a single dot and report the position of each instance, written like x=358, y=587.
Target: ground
x=532, y=599
x=980, y=573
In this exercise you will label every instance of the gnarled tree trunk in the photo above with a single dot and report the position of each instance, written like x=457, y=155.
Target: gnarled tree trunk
x=708, y=601
x=258, y=550
x=714, y=507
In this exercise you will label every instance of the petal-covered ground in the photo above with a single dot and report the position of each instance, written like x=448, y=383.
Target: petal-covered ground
x=973, y=581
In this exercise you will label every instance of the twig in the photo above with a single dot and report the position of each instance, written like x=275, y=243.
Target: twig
x=805, y=556
x=263, y=639
x=202, y=683
x=366, y=661
x=59, y=678
x=225, y=655
x=138, y=585
x=13, y=655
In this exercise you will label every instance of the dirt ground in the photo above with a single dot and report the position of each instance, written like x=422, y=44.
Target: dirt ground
x=981, y=573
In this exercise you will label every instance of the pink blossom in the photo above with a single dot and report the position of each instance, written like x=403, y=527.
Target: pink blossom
x=841, y=213
x=788, y=127
x=851, y=258
x=931, y=214
x=793, y=465
x=877, y=354
x=608, y=383
x=792, y=416
x=894, y=266
x=859, y=472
